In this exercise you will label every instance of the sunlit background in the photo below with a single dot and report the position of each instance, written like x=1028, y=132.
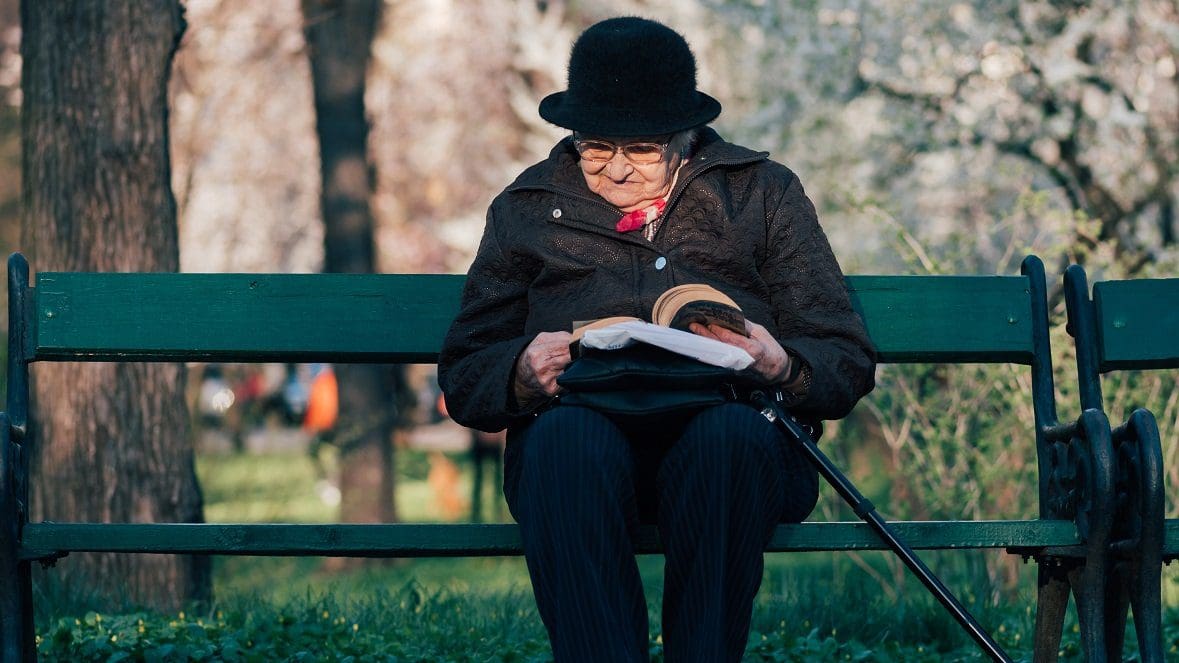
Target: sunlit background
x=933, y=136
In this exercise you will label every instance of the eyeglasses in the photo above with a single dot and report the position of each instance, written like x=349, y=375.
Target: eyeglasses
x=600, y=151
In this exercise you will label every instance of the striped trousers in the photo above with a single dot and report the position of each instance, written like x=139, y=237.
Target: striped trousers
x=579, y=485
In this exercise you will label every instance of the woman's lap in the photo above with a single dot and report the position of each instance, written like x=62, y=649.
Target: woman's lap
x=589, y=441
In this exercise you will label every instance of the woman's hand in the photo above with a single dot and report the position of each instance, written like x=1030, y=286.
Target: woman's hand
x=539, y=365
x=770, y=360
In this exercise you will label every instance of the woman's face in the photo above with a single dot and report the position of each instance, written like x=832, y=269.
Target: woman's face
x=622, y=182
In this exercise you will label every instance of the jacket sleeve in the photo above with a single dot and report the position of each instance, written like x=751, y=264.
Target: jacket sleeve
x=813, y=313
x=476, y=365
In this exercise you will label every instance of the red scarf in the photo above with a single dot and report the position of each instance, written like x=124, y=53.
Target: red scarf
x=641, y=217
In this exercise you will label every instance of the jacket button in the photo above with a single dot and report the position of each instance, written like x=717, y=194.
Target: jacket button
x=660, y=262
x=557, y=213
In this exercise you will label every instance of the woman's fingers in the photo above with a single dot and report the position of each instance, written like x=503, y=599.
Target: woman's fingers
x=774, y=363
x=769, y=358
x=701, y=330
x=751, y=345
x=542, y=361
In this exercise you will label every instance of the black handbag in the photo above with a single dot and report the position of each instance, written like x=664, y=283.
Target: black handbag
x=644, y=382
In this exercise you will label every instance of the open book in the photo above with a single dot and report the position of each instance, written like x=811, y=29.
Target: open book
x=678, y=308
x=673, y=312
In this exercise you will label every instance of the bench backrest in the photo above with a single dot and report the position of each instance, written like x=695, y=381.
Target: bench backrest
x=387, y=318
x=1125, y=325
x=402, y=318
x=1138, y=326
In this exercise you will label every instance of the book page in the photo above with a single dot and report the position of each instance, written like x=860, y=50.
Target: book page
x=703, y=349
x=684, y=304
x=582, y=326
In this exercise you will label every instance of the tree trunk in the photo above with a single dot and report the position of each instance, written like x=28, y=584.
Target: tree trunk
x=111, y=442
x=339, y=39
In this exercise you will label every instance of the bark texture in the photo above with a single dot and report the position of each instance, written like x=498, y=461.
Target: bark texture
x=111, y=442
x=339, y=40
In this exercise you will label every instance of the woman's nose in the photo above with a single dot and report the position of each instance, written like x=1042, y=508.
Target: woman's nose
x=618, y=168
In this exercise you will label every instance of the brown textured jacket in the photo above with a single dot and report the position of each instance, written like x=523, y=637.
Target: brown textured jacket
x=735, y=220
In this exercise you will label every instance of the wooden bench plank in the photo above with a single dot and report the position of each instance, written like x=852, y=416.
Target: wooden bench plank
x=1138, y=324
x=249, y=317
x=435, y=540
x=403, y=317
x=946, y=318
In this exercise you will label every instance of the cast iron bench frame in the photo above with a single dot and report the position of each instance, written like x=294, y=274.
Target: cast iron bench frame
x=402, y=318
x=1128, y=325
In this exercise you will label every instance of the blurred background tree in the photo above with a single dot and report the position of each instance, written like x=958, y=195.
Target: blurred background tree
x=946, y=116
x=339, y=43
x=9, y=133
x=97, y=197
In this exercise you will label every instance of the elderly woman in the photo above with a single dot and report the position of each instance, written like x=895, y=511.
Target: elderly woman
x=642, y=197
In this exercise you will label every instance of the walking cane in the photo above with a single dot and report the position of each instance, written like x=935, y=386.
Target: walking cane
x=867, y=512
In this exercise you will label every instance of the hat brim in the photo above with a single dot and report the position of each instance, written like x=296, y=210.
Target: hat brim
x=556, y=108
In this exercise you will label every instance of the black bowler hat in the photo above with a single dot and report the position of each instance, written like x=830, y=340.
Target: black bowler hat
x=630, y=77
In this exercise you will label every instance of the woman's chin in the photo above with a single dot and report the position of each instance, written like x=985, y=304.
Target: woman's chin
x=626, y=201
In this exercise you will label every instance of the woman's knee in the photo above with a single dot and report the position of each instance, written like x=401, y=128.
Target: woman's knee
x=733, y=430
x=734, y=451
x=755, y=449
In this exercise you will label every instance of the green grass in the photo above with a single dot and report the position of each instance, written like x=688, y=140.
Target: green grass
x=812, y=606
x=410, y=623
x=404, y=625
x=282, y=487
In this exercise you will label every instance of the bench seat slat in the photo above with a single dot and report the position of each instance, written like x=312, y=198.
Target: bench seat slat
x=432, y=540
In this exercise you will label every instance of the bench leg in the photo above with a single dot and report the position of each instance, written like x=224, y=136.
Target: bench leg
x=12, y=621
x=1052, y=587
x=1117, y=605
x=1134, y=584
x=13, y=627
x=1057, y=579
x=1096, y=512
x=16, y=588
x=17, y=635
x=1146, y=600
x=28, y=628
x=1140, y=489
x=1080, y=487
x=1089, y=588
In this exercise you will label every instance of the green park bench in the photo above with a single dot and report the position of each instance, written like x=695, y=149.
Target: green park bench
x=402, y=319
x=1130, y=324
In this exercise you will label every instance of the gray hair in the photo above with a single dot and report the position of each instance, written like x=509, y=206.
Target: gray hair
x=683, y=143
